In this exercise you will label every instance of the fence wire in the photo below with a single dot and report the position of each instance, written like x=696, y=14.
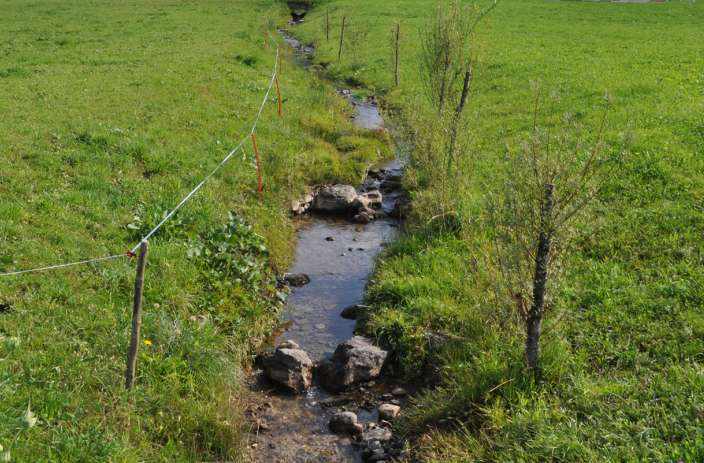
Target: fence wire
x=178, y=206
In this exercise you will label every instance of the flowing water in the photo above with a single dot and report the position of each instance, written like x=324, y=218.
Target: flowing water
x=339, y=257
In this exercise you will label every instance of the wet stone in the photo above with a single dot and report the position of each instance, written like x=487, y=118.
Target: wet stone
x=373, y=198
x=399, y=392
x=388, y=411
x=376, y=434
x=353, y=312
x=297, y=279
x=289, y=367
x=364, y=216
x=345, y=423
x=355, y=361
x=335, y=199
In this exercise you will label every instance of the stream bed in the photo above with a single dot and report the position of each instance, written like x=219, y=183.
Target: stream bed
x=339, y=257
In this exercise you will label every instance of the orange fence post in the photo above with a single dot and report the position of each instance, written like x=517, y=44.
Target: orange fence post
x=278, y=94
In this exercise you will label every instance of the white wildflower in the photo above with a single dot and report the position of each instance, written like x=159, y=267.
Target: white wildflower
x=30, y=418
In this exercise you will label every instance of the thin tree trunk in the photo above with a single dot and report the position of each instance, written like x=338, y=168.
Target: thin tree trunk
x=456, y=118
x=342, y=38
x=327, y=24
x=443, y=83
x=396, y=57
x=540, y=278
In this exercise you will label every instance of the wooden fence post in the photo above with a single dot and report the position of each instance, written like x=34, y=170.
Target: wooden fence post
x=342, y=38
x=136, y=316
x=278, y=95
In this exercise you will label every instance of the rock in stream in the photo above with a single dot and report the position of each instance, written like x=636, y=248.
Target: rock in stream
x=290, y=367
x=334, y=199
x=355, y=361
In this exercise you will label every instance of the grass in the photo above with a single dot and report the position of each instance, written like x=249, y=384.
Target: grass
x=112, y=111
x=622, y=354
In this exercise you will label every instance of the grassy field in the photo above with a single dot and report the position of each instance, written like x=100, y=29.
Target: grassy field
x=623, y=354
x=111, y=112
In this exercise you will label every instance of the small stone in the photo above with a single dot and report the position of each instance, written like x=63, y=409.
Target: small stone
x=399, y=392
x=262, y=425
x=377, y=456
x=353, y=312
x=388, y=411
x=335, y=402
x=361, y=202
x=297, y=279
x=364, y=216
x=289, y=344
x=345, y=423
x=373, y=198
x=377, y=434
x=330, y=238
x=385, y=424
x=320, y=326
x=201, y=320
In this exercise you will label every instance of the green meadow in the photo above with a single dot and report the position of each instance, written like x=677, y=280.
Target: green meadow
x=111, y=113
x=623, y=344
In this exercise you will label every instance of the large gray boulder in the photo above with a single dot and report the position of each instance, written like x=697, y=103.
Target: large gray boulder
x=356, y=360
x=335, y=199
x=290, y=367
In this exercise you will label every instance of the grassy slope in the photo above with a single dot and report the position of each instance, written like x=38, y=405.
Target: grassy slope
x=624, y=360
x=112, y=110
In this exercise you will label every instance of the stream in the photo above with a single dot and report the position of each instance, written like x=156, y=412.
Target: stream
x=339, y=257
